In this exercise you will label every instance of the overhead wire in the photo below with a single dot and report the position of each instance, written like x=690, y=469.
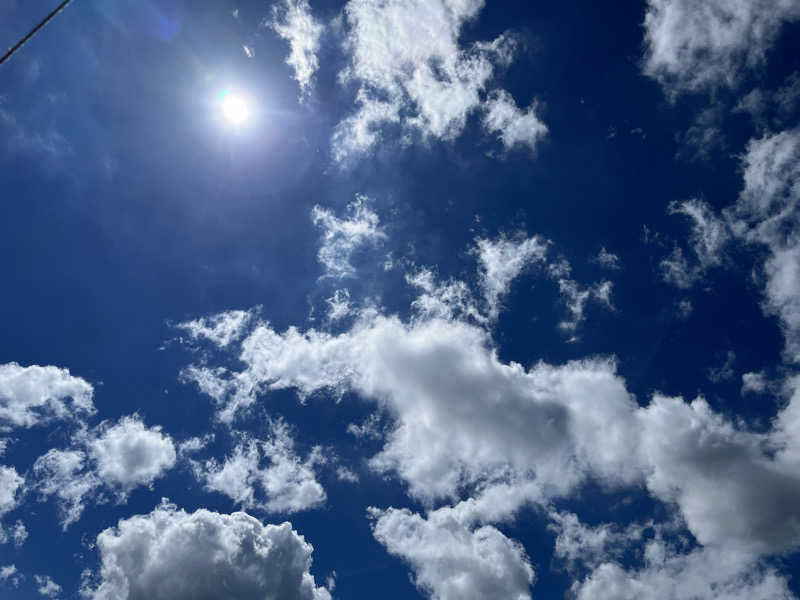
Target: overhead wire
x=13, y=49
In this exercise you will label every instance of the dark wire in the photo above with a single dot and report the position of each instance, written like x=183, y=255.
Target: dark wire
x=33, y=31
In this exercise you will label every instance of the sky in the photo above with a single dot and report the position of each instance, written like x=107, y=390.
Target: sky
x=447, y=299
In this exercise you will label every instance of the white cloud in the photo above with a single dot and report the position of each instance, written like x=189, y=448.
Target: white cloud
x=700, y=45
x=292, y=20
x=754, y=383
x=8, y=572
x=345, y=474
x=452, y=560
x=173, y=555
x=129, y=454
x=766, y=213
x=46, y=586
x=576, y=296
x=501, y=261
x=342, y=236
x=607, y=259
x=725, y=371
x=113, y=459
x=11, y=485
x=220, y=329
x=338, y=305
x=708, y=239
x=703, y=574
x=513, y=126
x=66, y=475
x=409, y=69
x=288, y=483
x=33, y=395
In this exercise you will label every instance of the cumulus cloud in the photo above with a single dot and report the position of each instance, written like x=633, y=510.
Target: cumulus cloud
x=292, y=20
x=287, y=483
x=453, y=561
x=701, y=45
x=702, y=574
x=410, y=70
x=113, y=459
x=173, y=555
x=342, y=236
x=34, y=395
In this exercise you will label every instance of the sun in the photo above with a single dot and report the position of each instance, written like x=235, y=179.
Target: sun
x=235, y=109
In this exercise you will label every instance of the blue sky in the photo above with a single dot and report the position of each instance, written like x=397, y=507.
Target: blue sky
x=412, y=298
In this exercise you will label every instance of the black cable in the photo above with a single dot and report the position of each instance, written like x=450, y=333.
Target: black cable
x=33, y=31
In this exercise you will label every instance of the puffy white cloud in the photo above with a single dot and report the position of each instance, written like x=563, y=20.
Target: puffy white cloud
x=173, y=555
x=700, y=45
x=292, y=20
x=513, y=126
x=338, y=305
x=46, y=586
x=109, y=458
x=501, y=261
x=409, y=69
x=34, y=394
x=129, y=454
x=453, y=561
x=341, y=236
x=702, y=574
x=220, y=329
x=288, y=483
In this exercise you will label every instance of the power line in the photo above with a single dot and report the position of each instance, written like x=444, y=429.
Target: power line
x=33, y=31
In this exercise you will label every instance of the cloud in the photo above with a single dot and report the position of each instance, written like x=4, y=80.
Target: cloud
x=410, y=70
x=46, y=586
x=766, y=214
x=220, y=329
x=173, y=555
x=292, y=20
x=451, y=560
x=703, y=574
x=113, y=459
x=34, y=395
x=709, y=236
x=288, y=483
x=513, y=126
x=501, y=261
x=11, y=485
x=576, y=296
x=607, y=259
x=129, y=454
x=701, y=45
x=754, y=383
x=342, y=236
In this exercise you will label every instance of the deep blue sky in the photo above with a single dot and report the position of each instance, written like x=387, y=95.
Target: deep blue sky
x=129, y=207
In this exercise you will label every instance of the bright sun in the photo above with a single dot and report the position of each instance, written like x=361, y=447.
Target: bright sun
x=235, y=109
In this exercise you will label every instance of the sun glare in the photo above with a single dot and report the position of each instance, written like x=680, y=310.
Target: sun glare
x=235, y=109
